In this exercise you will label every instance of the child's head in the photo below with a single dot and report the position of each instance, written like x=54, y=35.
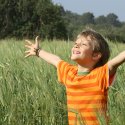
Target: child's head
x=98, y=45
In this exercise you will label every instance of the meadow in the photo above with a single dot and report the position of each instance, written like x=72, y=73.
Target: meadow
x=30, y=93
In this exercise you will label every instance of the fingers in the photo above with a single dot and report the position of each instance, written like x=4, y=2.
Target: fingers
x=30, y=43
x=37, y=42
x=27, y=55
x=28, y=46
x=28, y=51
x=36, y=39
x=32, y=47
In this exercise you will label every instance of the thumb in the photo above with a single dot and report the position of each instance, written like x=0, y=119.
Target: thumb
x=37, y=42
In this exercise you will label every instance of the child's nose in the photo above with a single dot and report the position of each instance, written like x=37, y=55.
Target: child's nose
x=77, y=46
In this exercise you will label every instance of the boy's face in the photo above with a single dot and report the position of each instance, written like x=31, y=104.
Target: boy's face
x=82, y=50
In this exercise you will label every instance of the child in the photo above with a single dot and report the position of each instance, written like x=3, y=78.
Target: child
x=87, y=83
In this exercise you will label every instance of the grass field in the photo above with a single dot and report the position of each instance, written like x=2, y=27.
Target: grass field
x=29, y=90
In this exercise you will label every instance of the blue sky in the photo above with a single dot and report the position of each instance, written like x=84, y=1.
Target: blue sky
x=97, y=7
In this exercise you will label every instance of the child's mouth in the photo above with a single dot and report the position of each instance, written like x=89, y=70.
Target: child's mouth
x=76, y=52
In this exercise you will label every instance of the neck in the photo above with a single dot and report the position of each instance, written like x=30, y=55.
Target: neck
x=85, y=68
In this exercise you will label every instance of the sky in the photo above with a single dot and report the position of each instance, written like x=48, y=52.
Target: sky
x=97, y=7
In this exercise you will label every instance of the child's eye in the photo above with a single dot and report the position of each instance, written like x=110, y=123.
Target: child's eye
x=74, y=44
x=83, y=44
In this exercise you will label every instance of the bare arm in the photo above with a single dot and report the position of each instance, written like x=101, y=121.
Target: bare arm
x=50, y=58
x=115, y=62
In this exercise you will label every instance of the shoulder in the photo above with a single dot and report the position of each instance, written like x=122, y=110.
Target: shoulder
x=63, y=65
x=101, y=68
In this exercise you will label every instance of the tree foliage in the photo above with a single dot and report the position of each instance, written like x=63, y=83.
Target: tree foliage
x=23, y=18
x=100, y=20
x=87, y=18
x=113, y=19
x=109, y=25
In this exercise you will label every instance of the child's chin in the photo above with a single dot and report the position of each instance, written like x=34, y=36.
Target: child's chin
x=73, y=59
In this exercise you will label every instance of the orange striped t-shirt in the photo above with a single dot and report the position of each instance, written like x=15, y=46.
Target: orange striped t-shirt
x=86, y=94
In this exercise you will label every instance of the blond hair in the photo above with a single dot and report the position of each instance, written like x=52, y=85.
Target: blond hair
x=99, y=45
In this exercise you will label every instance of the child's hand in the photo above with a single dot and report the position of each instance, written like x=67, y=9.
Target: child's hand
x=33, y=48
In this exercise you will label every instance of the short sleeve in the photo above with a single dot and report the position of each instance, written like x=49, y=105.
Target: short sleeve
x=62, y=71
x=103, y=77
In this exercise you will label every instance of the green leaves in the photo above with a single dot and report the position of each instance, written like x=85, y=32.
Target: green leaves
x=23, y=18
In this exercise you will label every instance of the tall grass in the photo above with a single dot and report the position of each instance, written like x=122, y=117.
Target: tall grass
x=29, y=90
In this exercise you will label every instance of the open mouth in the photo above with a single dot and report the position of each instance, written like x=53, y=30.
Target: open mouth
x=76, y=52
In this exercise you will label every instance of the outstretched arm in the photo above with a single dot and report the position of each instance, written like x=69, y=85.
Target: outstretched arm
x=34, y=50
x=115, y=62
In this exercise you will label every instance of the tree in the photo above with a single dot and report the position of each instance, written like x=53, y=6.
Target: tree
x=27, y=19
x=101, y=20
x=8, y=13
x=23, y=18
x=87, y=18
x=51, y=22
x=113, y=19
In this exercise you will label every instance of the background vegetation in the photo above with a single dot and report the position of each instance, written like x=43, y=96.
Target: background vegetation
x=30, y=93
x=24, y=18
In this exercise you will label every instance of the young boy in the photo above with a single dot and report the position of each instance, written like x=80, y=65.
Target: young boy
x=87, y=83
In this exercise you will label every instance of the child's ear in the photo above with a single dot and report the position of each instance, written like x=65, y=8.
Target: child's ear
x=97, y=56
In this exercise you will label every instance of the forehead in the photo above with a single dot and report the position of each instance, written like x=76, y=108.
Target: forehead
x=83, y=39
